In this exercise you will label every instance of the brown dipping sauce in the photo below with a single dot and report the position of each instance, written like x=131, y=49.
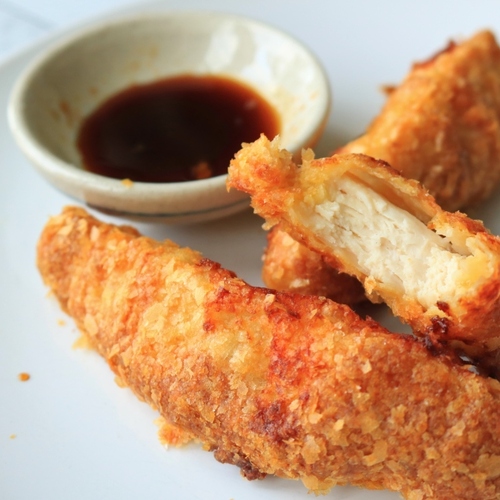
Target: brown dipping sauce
x=178, y=129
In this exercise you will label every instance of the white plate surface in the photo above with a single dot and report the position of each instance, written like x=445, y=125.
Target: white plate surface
x=70, y=432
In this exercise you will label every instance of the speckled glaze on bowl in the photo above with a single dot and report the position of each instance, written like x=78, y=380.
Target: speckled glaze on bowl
x=77, y=74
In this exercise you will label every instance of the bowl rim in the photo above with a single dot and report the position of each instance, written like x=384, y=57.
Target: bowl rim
x=50, y=165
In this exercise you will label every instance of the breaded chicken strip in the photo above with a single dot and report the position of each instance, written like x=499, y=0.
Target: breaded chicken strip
x=438, y=271
x=441, y=126
x=275, y=383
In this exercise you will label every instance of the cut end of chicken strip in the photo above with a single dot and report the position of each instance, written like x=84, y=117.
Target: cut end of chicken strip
x=437, y=271
x=290, y=266
x=389, y=245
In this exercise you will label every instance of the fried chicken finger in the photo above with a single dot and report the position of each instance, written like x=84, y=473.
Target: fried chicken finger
x=440, y=126
x=438, y=271
x=275, y=383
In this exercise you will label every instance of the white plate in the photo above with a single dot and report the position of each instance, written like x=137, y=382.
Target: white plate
x=77, y=435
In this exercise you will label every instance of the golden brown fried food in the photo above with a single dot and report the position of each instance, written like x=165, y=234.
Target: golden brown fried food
x=275, y=383
x=291, y=266
x=441, y=126
x=437, y=271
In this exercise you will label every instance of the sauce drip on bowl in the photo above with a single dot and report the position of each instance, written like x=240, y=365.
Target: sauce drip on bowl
x=173, y=130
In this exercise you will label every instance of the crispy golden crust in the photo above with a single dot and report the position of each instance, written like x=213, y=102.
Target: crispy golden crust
x=275, y=383
x=291, y=266
x=441, y=126
x=448, y=291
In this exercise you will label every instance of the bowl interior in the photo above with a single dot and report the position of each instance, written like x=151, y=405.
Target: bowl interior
x=75, y=77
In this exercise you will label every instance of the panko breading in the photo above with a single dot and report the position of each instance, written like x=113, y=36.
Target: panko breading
x=441, y=126
x=437, y=271
x=274, y=383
